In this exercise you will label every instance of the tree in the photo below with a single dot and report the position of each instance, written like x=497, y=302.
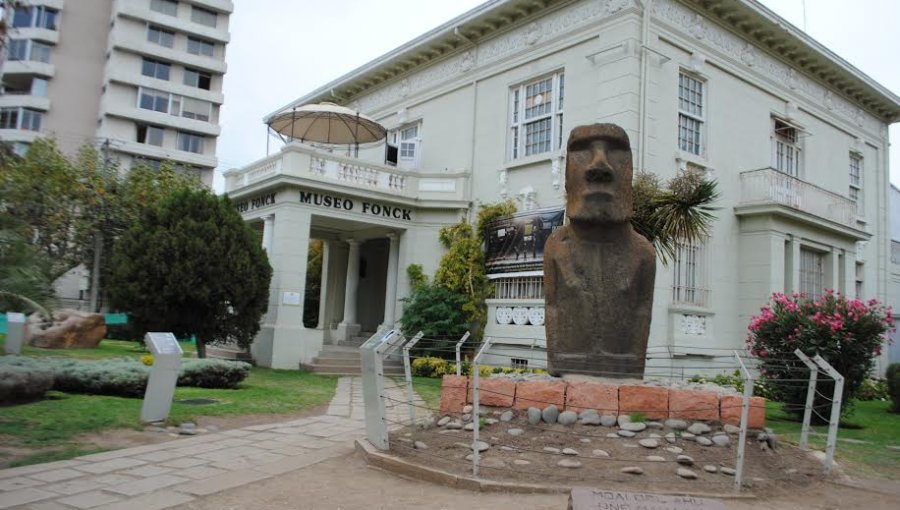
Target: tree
x=193, y=267
x=25, y=272
x=313, y=294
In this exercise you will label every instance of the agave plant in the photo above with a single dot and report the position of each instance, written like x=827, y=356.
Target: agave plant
x=680, y=212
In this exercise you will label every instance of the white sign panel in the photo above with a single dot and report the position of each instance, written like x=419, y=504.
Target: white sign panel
x=291, y=298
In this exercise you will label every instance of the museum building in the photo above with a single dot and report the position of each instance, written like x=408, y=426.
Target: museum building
x=479, y=109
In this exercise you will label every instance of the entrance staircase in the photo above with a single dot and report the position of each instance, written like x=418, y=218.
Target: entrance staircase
x=344, y=359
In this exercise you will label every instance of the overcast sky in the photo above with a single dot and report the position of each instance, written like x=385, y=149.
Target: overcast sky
x=284, y=49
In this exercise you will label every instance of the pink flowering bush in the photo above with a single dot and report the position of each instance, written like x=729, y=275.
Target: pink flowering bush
x=848, y=333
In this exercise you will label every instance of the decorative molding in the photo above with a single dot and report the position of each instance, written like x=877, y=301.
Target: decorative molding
x=503, y=315
x=501, y=178
x=520, y=315
x=742, y=51
x=693, y=324
x=555, y=169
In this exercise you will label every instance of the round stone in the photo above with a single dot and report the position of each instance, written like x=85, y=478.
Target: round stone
x=506, y=416
x=443, y=421
x=674, y=449
x=569, y=463
x=534, y=415
x=567, y=417
x=482, y=446
x=588, y=412
x=709, y=468
x=731, y=429
x=727, y=471
x=722, y=440
x=521, y=462
x=467, y=417
x=655, y=458
x=490, y=421
x=703, y=441
x=585, y=440
x=612, y=435
x=419, y=445
x=686, y=473
x=698, y=428
x=469, y=426
x=676, y=424
x=508, y=448
x=626, y=433
x=550, y=414
x=591, y=419
x=550, y=449
x=649, y=443
x=622, y=419
x=629, y=445
x=468, y=409
x=670, y=437
x=607, y=420
x=654, y=425
x=600, y=453
x=685, y=460
x=688, y=436
x=632, y=470
x=515, y=432
x=569, y=451
x=633, y=426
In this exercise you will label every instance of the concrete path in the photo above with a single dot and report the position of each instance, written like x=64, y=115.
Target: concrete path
x=172, y=473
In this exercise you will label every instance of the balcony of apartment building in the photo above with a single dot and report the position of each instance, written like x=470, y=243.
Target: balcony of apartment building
x=25, y=91
x=137, y=43
x=183, y=20
x=768, y=191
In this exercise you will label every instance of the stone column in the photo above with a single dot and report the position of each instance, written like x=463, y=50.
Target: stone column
x=390, y=294
x=833, y=269
x=349, y=327
x=268, y=227
x=323, y=289
x=793, y=268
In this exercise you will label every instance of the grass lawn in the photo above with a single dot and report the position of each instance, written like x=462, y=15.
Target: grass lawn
x=106, y=349
x=429, y=388
x=871, y=423
x=54, y=423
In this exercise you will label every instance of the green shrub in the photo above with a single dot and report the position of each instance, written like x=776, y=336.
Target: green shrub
x=873, y=389
x=23, y=379
x=760, y=386
x=893, y=385
x=212, y=373
x=847, y=333
x=431, y=367
x=438, y=313
x=116, y=377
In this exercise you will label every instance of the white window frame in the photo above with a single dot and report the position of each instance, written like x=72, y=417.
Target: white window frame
x=787, y=150
x=199, y=44
x=175, y=104
x=191, y=78
x=692, y=95
x=157, y=66
x=21, y=114
x=167, y=7
x=159, y=39
x=855, y=190
x=204, y=12
x=690, y=275
x=519, y=122
x=149, y=132
x=408, y=140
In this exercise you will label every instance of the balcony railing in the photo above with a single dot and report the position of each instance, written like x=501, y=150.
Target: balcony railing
x=300, y=161
x=769, y=186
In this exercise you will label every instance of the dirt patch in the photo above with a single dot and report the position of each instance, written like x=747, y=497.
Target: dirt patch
x=525, y=458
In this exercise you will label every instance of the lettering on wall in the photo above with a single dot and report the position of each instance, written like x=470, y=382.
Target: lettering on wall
x=363, y=207
x=255, y=203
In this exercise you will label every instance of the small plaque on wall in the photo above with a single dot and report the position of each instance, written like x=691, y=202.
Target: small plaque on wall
x=290, y=298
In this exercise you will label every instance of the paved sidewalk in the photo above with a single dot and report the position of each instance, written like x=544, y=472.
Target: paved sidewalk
x=172, y=473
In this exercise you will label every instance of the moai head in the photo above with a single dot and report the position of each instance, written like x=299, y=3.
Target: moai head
x=598, y=175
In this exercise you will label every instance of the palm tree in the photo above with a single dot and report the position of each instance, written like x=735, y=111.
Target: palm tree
x=679, y=213
x=25, y=281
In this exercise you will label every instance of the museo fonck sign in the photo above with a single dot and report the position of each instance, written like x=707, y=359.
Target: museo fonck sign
x=254, y=203
x=346, y=204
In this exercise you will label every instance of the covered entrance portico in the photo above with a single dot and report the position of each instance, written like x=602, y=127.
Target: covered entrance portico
x=372, y=225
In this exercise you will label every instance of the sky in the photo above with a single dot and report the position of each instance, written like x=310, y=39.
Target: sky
x=286, y=48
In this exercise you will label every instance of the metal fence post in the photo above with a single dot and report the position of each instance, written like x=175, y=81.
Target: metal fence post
x=810, y=398
x=458, y=347
x=372, y=366
x=476, y=380
x=745, y=415
x=835, y=418
x=407, y=369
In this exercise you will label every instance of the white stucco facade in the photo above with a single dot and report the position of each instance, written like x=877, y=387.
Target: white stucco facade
x=795, y=137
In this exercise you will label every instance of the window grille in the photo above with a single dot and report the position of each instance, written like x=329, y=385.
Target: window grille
x=812, y=273
x=689, y=285
x=528, y=287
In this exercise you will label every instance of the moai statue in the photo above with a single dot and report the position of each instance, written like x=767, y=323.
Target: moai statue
x=598, y=272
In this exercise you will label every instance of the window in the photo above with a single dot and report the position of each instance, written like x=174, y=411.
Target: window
x=169, y=7
x=39, y=87
x=40, y=52
x=18, y=49
x=812, y=273
x=155, y=100
x=151, y=135
x=20, y=118
x=404, y=146
x=197, y=79
x=519, y=287
x=690, y=274
x=855, y=192
x=195, y=109
x=9, y=118
x=203, y=16
x=537, y=116
x=155, y=164
x=155, y=69
x=160, y=36
x=190, y=142
x=22, y=17
x=859, y=280
x=200, y=47
x=35, y=16
x=31, y=120
x=787, y=148
x=690, y=114
x=518, y=363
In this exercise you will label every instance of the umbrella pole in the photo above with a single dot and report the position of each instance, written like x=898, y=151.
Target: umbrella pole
x=356, y=136
x=293, y=119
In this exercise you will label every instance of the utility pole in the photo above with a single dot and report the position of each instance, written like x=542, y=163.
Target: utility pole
x=98, y=235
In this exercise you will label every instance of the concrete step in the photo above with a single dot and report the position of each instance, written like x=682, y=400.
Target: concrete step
x=349, y=362
x=222, y=352
x=341, y=370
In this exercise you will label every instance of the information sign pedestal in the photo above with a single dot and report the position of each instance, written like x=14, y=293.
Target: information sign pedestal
x=15, y=332
x=163, y=376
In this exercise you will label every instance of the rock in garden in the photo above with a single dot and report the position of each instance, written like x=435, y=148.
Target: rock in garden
x=419, y=445
x=626, y=433
x=585, y=440
x=550, y=449
x=550, y=413
x=698, y=428
x=515, y=432
x=655, y=436
x=655, y=458
x=405, y=440
x=654, y=425
x=607, y=420
x=482, y=446
x=632, y=470
x=454, y=425
x=721, y=440
x=490, y=421
x=467, y=417
x=600, y=453
x=443, y=421
x=674, y=449
x=686, y=473
x=567, y=418
x=676, y=424
x=703, y=441
x=688, y=436
x=731, y=429
x=670, y=437
x=622, y=419
x=727, y=471
x=187, y=432
x=534, y=415
x=633, y=426
x=158, y=429
x=591, y=419
x=709, y=468
x=468, y=409
x=469, y=426
x=613, y=435
x=70, y=329
x=188, y=425
x=588, y=412
x=649, y=443
x=629, y=445
x=569, y=463
x=685, y=460
x=508, y=448
x=506, y=416
x=470, y=457
x=569, y=451
x=492, y=463
x=521, y=462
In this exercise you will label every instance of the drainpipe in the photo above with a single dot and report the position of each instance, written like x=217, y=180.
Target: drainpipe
x=642, y=114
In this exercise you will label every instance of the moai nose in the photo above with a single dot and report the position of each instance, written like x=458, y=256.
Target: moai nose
x=599, y=173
